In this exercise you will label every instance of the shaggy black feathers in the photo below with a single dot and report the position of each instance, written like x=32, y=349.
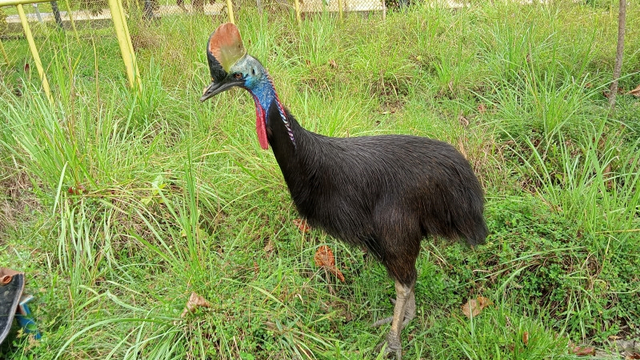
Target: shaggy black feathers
x=382, y=192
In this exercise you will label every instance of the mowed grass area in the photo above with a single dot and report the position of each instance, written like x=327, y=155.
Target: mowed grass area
x=118, y=204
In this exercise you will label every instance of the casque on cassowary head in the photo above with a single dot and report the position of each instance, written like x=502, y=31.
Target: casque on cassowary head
x=385, y=193
x=230, y=66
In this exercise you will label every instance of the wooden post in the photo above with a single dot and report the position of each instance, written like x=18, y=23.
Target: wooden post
x=124, y=40
x=6, y=58
x=230, y=10
x=298, y=17
x=34, y=52
x=340, y=6
x=384, y=10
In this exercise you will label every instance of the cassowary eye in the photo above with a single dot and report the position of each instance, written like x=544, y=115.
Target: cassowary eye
x=238, y=76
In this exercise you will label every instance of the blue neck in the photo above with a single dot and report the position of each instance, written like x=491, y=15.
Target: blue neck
x=265, y=93
x=261, y=87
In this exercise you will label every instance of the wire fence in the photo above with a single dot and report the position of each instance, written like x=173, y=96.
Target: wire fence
x=95, y=13
x=72, y=34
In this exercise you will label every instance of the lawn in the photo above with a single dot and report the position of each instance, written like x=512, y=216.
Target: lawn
x=118, y=204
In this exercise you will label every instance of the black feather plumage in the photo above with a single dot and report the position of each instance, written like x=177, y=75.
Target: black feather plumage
x=384, y=192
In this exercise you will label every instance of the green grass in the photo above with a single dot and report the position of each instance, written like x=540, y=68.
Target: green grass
x=119, y=204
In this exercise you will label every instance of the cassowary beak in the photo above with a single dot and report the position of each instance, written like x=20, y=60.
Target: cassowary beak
x=216, y=88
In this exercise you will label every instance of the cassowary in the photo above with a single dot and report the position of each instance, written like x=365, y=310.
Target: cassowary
x=385, y=192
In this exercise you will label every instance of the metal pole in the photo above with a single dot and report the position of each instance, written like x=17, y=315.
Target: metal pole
x=56, y=14
x=35, y=8
x=34, y=52
x=147, y=10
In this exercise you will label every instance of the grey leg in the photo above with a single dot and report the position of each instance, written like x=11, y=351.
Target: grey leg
x=403, y=311
x=409, y=312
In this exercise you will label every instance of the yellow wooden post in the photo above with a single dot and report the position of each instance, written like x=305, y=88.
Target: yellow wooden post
x=340, y=6
x=6, y=58
x=297, y=3
x=128, y=38
x=34, y=52
x=230, y=9
x=124, y=40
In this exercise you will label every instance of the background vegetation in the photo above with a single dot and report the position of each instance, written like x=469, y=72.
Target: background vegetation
x=119, y=204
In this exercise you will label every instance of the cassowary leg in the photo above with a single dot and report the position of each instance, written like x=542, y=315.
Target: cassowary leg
x=409, y=312
x=403, y=311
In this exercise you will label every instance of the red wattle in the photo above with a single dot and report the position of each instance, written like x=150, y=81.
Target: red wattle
x=261, y=127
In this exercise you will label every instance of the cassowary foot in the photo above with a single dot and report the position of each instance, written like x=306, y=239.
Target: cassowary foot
x=393, y=346
x=409, y=313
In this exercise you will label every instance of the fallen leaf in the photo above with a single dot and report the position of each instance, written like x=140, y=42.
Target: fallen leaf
x=324, y=259
x=195, y=301
x=525, y=338
x=333, y=64
x=632, y=356
x=302, y=225
x=482, y=109
x=635, y=92
x=463, y=120
x=269, y=247
x=583, y=350
x=474, y=307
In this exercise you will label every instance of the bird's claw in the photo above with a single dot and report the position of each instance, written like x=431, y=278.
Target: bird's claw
x=392, y=346
x=382, y=321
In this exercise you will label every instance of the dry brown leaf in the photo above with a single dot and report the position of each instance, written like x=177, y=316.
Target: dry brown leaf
x=474, y=307
x=463, y=120
x=482, y=109
x=269, y=247
x=302, y=225
x=525, y=338
x=633, y=356
x=195, y=301
x=635, y=92
x=333, y=64
x=583, y=350
x=324, y=259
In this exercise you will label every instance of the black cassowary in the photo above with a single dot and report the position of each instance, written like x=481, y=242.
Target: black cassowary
x=383, y=192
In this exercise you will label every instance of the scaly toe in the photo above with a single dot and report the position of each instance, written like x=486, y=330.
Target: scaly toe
x=392, y=346
x=382, y=321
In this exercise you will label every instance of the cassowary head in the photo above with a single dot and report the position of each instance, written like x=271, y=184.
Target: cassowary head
x=231, y=66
